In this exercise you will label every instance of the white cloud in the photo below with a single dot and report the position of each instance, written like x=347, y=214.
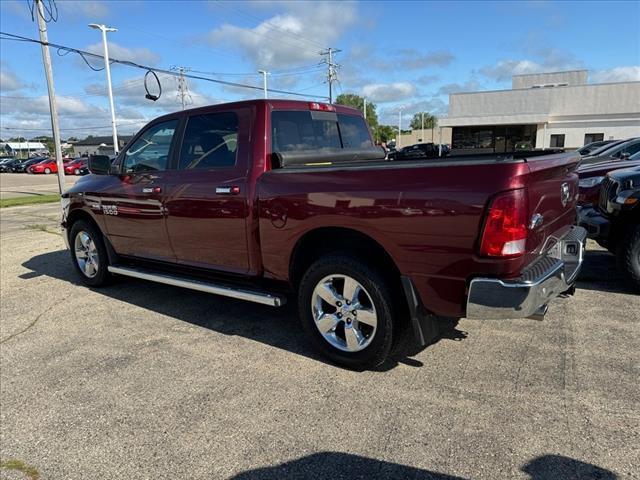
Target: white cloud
x=138, y=55
x=9, y=82
x=388, y=92
x=290, y=38
x=468, y=86
x=543, y=60
x=617, y=74
x=90, y=9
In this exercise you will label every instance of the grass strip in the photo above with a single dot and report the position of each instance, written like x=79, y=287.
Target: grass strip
x=30, y=200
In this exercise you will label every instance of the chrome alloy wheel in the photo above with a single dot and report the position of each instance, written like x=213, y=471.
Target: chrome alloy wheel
x=344, y=313
x=86, y=254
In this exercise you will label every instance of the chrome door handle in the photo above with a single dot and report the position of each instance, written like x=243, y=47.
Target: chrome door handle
x=151, y=190
x=227, y=190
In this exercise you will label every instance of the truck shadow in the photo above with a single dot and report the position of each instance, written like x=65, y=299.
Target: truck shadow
x=332, y=465
x=600, y=272
x=272, y=326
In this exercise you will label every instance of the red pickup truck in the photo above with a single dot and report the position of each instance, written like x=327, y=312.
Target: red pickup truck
x=258, y=199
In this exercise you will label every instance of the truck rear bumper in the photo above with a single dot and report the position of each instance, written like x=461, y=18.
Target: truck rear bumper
x=543, y=280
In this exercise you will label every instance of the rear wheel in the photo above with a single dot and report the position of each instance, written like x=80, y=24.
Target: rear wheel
x=347, y=311
x=47, y=170
x=629, y=255
x=76, y=171
x=89, y=254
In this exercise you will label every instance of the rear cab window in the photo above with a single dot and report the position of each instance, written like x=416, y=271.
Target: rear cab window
x=300, y=131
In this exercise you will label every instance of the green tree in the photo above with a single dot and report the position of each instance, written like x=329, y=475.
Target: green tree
x=430, y=121
x=356, y=101
x=384, y=133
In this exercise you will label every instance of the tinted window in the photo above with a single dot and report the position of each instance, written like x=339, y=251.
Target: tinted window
x=557, y=141
x=304, y=130
x=354, y=131
x=296, y=130
x=210, y=141
x=629, y=148
x=150, y=152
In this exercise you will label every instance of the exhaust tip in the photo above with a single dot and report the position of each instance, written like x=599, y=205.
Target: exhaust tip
x=540, y=313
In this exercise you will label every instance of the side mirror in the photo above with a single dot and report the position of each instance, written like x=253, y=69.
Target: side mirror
x=625, y=156
x=99, y=164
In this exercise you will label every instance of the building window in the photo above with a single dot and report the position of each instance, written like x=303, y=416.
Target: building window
x=593, y=137
x=557, y=141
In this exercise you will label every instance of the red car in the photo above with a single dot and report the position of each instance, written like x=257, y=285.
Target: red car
x=45, y=166
x=257, y=199
x=591, y=177
x=75, y=166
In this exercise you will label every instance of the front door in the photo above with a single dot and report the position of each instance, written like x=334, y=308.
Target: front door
x=206, y=201
x=133, y=202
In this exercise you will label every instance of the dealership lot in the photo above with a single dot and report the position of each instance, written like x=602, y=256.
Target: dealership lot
x=139, y=380
x=14, y=185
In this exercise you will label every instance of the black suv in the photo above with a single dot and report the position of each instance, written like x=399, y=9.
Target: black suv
x=615, y=222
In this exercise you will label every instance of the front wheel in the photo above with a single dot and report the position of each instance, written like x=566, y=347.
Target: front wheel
x=346, y=309
x=89, y=254
x=76, y=171
x=47, y=170
x=629, y=255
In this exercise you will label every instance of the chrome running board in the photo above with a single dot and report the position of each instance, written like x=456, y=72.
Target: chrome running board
x=224, y=290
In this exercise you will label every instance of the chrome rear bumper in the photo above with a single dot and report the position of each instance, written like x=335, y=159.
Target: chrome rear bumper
x=542, y=281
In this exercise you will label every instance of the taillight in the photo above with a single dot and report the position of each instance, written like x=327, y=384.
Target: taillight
x=322, y=107
x=505, y=229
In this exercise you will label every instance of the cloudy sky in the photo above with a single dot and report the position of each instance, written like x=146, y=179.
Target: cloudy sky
x=406, y=56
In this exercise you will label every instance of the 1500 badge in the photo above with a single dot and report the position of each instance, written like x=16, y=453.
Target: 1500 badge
x=110, y=209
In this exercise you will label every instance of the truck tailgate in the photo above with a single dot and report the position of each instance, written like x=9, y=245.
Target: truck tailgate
x=552, y=193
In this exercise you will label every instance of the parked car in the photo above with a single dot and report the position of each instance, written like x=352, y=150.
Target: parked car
x=593, y=146
x=24, y=164
x=259, y=199
x=615, y=222
x=621, y=151
x=417, y=151
x=591, y=177
x=46, y=166
x=7, y=164
x=75, y=166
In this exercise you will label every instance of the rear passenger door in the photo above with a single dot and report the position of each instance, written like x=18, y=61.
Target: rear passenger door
x=206, y=202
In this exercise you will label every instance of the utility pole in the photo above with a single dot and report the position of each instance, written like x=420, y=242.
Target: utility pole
x=104, y=29
x=264, y=81
x=365, y=108
x=422, y=128
x=46, y=59
x=331, y=69
x=183, y=89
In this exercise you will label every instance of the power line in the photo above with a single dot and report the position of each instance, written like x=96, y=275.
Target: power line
x=11, y=36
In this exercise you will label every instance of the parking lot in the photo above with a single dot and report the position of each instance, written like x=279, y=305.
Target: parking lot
x=14, y=185
x=145, y=381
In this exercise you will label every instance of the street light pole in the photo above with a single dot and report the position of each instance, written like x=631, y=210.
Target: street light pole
x=264, y=81
x=104, y=29
x=423, y=127
x=399, y=127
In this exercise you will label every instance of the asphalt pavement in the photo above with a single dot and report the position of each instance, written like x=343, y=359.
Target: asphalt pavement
x=145, y=381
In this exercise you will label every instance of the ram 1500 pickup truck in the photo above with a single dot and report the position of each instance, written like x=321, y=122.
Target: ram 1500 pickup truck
x=256, y=200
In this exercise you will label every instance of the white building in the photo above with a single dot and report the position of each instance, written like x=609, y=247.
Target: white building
x=544, y=110
x=25, y=149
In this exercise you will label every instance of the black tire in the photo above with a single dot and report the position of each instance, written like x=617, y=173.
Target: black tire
x=629, y=255
x=380, y=294
x=102, y=276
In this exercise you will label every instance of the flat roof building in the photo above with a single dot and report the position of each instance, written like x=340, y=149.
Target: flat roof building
x=542, y=110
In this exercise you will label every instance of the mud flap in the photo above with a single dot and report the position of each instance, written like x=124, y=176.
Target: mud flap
x=425, y=327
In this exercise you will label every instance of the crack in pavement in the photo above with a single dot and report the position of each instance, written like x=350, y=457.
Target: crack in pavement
x=34, y=321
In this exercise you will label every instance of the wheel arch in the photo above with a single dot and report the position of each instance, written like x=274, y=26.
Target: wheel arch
x=81, y=214
x=324, y=240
